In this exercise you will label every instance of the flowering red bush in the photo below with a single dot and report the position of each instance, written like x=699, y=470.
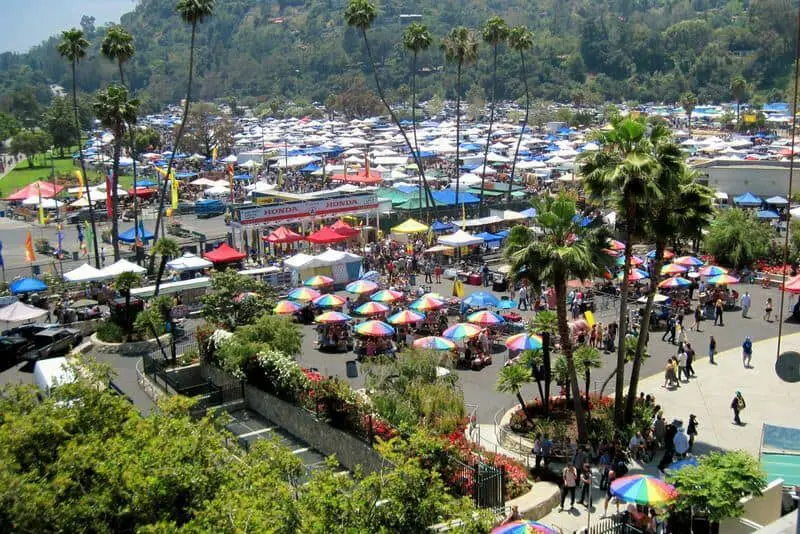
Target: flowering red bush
x=378, y=427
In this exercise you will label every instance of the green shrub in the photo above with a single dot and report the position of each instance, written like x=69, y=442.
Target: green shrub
x=188, y=356
x=110, y=332
x=149, y=320
x=275, y=332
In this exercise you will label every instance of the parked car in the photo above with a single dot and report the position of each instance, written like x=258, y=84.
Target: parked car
x=207, y=208
x=55, y=342
x=12, y=348
x=82, y=215
x=28, y=331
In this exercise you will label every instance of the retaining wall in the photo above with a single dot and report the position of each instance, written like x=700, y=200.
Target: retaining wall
x=133, y=348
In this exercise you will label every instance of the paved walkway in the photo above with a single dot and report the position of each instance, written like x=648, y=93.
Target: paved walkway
x=708, y=396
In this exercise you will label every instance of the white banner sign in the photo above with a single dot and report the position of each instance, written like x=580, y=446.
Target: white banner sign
x=289, y=212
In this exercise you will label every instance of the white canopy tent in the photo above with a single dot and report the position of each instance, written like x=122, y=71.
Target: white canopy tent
x=203, y=181
x=19, y=312
x=46, y=203
x=460, y=239
x=84, y=273
x=189, y=262
x=122, y=266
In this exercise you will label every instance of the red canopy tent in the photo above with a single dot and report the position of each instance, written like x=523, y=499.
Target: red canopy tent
x=362, y=177
x=224, y=254
x=792, y=285
x=46, y=189
x=282, y=235
x=142, y=192
x=345, y=229
x=325, y=236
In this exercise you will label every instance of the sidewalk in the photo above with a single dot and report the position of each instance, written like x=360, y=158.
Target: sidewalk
x=769, y=400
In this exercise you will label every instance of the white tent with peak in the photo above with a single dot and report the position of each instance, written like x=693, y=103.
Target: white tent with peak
x=460, y=239
x=84, y=273
x=122, y=266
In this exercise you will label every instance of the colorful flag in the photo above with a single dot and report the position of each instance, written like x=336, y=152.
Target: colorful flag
x=214, y=154
x=29, y=254
x=81, y=240
x=59, y=250
x=42, y=220
x=2, y=263
x=109, y=201
x=230, y=180
x=174, y=184
x=89, y=237
x=79, y=176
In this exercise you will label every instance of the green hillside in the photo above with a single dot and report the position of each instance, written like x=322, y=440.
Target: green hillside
x=586, y=51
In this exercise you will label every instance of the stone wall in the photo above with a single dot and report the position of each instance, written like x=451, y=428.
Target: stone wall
x=350, y=451
x=134, y=348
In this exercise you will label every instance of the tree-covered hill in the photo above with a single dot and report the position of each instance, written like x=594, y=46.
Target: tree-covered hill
x=642, y=50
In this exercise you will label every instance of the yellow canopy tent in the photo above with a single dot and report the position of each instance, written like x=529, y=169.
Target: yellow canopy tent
x=410, y=226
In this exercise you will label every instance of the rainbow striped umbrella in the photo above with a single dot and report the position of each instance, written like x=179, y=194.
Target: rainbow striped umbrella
x=332, y=317
x=374, y=328
x=635, y=260
x=712, y=270
x=643, y=489
x=434, y=343
x=613, y=244
x=523, y=526
x=406, y=317
x=485, y=318
x=361, y=287
x=524, y=342
x=387, y=295
x=372, y=308
x=304, y=294
x=425, y=303
x=723, y=280
x=285, y=307
x=689, y=261
x=461, y=331
x=635, y=275
x=668, y=254
x=318, y=281
x=329, y=301
x=673, y=268
x=671, y=283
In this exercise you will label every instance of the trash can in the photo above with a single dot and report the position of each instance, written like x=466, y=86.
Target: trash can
x=36, y=269
x=352, y=369
x=412, y=279
x=75, y=256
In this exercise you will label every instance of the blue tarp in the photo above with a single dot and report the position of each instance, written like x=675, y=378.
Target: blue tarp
x=182, y=175
x=747, y=199
x=27, y=285
x=439, y=226
x=488, y=237
x=767, y=214
x=407, y=189
x=448, y=197
x=530, y=213
x=128, y=236
x=585, y=221
x=145, y=183
x=242, y=177
x=310, y=168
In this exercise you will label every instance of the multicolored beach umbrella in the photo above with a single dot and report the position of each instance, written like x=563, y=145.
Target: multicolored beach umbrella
x=361, y=287
x=434, y=343
x=332, y=317
x=635, y=275
x=485, y=318
x=723, y=280
x=712, y=270
x=523, y=526
x=643, y=489
x=688, y=261
x=524, y=342
x=461, y=331
x=672, y=283
x=285, y=307
x=426, y=303
x=668, y=254
x=387, y=295
x=406, y=317
x=329, y=301
x=374, y=328
x=635, y=260
x=673, y=268
x=303, y=294
x=618, y=246
x=318, y=281
x=372, y=308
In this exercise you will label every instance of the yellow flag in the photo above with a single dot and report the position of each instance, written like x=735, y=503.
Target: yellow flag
x=79, y=176
x=589, y=317
x=214, y=154
x=29, y=254
x=458, y=288
x=41, y=207
x=174, y=182
x=463, y=216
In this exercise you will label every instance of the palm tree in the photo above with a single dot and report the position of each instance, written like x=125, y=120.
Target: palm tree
x=73, y=46
x=521, y=40
x=739, y=93
x=586, y=359
x=460, y=46
x=192, y=12
x=511, y=378
x=495, y=33
x=623, y=172
x=417, y=38
x=665, y=223
x=545, y=323
x=116, y=112
x=118, y=46
x=166, y=248
x=564, y=250
x=360, y=14
x=123, y=283
x=688, y=103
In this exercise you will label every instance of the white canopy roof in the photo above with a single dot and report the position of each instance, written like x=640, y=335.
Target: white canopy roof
x=19, y=312
x=333, y=257
x=84, y=273
x=460, y=239
x=203, y=181
x=189, y=262
x=217, y=190
x=531, y=164
x=47, y=203
x=83, y=202
x=230, y=159
x=510, y=215
x=122, y=266
x=302, y=261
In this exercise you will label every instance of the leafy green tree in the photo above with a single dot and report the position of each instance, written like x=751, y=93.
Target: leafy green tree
x=30, y=143
x=476, y=101
x=520, y=39
x=58, y=123
x=435, y=105
x=624, y=174
x=717, y=484
x=461, y=47
x=511, y=379
x=192, y=12
x=146, y=139
x=545, y=324
x=123, y=283
x=688, y=103
x=586, y=359
x=495, y=33
x=565, y=250
x=73, y=46
x=739, y=91
x=276, y=332
x=117, y=113
x=165, y=248
x=224, y=305
x=8, y=126
x=207, y=128
x=737, y=238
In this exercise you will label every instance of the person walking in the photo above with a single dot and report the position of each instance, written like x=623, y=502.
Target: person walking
x=522, y=298
x=690, y=353
x=746, y=304
x=737, y=405
x=718, y=307
x=698, y=316
x=669, y=375
x=428, y=271
x=569, y=476
x=691, y=430
x=586, y=485
x=768, y=310
x=612, y=476
x=747, y=352
x=682, y=364
x=537, y=450
x=437, y=271
x=712, y=349
x=672, y=324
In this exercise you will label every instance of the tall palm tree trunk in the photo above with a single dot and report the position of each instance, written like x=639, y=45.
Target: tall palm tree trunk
x=641, y=343
x=83, y=168
x=133, y=157
x=114, y=191
x=566, y=348
x=417, y=159
x=491, y=123
x=524, y=124
x=175, y=145
x=619, y=410
x=548, y=371
x=458, y=131
x=414, y=122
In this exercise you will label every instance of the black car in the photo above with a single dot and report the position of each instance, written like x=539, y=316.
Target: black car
x=12, y=348
x=53, y=342
x=85, y=214
x=29, y=331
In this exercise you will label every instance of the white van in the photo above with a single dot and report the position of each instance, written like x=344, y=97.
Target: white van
x=49, y=374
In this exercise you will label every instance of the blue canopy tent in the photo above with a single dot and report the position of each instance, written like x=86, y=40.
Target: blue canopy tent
x=482, y=299
x=27, y=285
x=242, y=177
x=129, y=235
x=310, y=168
x=182, y=175
x=448, y=197
x=407, y=189
x=489, y=237
x=439, y=226
x=777, y=201
x=529, y=213
x=145, y=183
x=767, y=214
x=748, y=200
